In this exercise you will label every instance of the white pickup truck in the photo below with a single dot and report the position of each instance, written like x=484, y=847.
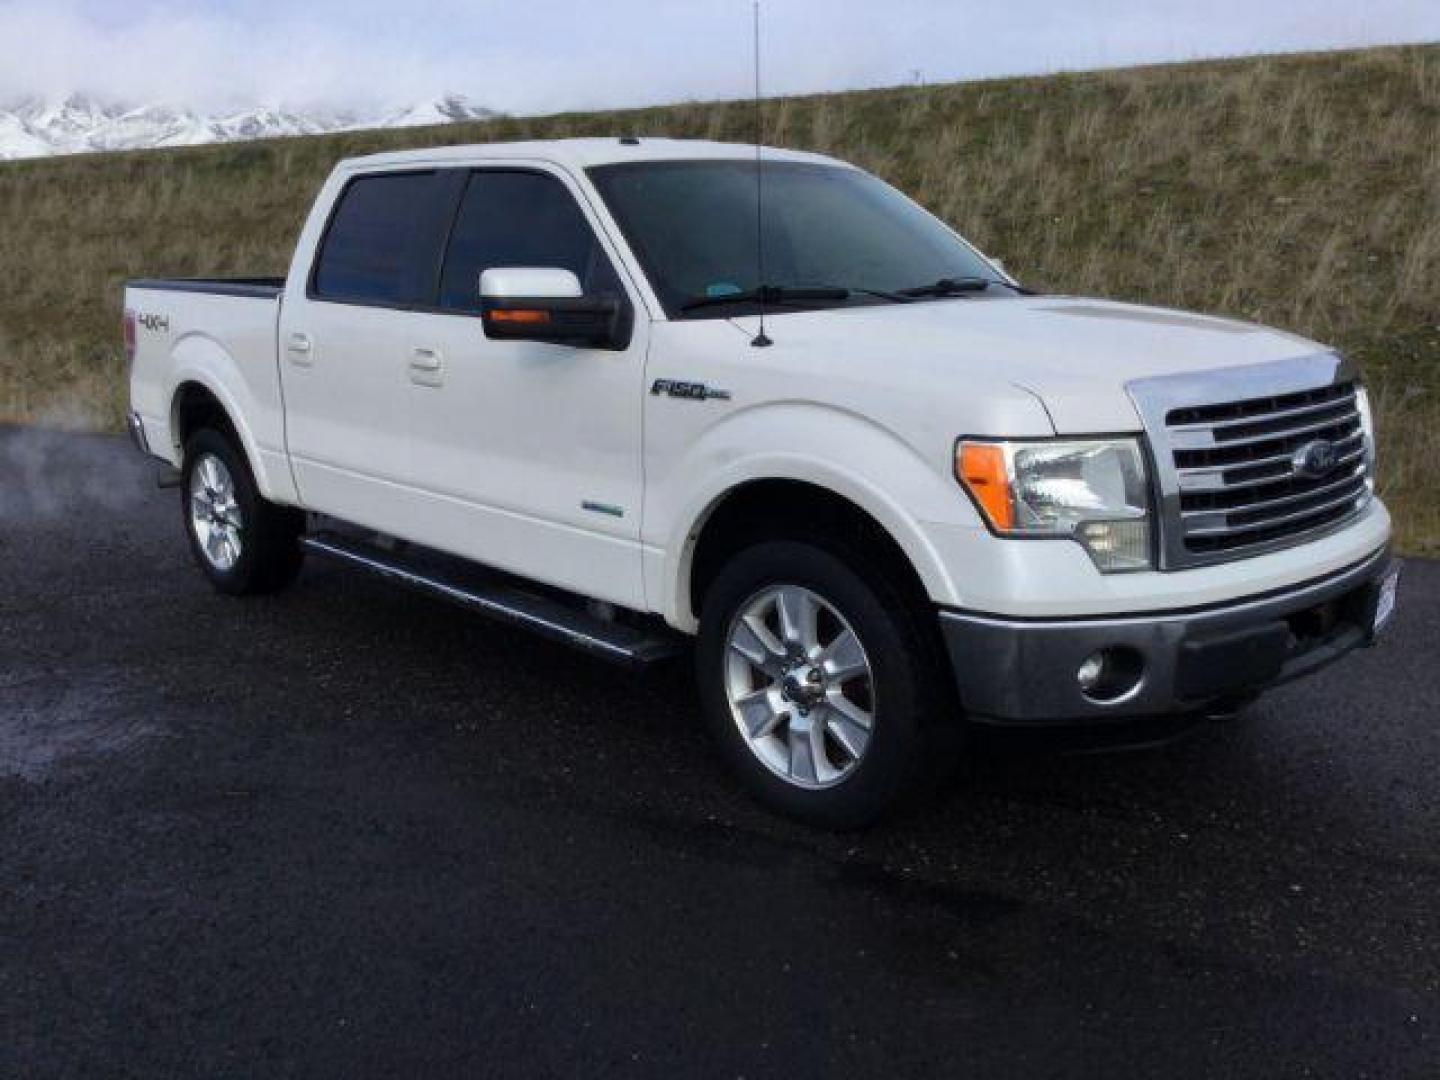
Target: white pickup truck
x=890, y=491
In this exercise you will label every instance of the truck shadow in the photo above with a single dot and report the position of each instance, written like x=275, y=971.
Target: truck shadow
x=487, y=683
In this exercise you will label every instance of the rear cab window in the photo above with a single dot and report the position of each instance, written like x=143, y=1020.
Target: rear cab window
x=383, y=240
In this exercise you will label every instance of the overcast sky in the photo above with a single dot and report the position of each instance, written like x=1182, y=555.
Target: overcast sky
x=529, y=56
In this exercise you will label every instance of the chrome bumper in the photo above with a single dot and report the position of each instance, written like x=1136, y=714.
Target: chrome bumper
x=1024, y=671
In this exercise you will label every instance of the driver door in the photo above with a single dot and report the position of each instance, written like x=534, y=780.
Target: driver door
x=525, y=455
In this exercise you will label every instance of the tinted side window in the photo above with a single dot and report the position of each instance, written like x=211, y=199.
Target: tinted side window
x=520, y=219
x=383, y=240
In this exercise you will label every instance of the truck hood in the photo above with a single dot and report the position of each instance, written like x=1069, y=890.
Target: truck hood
x=1075, y=355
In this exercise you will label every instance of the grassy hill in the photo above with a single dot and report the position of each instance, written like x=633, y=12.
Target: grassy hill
x=1300, y=191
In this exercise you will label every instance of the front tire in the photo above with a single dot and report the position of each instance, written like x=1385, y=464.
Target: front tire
x=243, y=544
x=820, y=684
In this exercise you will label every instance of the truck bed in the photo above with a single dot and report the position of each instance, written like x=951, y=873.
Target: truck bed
x=216, y=334
x=261, y=287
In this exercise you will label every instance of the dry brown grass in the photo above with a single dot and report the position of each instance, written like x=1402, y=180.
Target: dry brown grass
x=1298, y=191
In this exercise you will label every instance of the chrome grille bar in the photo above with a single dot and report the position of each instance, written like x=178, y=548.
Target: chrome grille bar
x=1347, y=479
x=1281, y=414
x=1207, y=439
x=1219, y=478
x=1265, y=523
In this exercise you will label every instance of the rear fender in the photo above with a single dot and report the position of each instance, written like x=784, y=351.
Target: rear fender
x=200, y=359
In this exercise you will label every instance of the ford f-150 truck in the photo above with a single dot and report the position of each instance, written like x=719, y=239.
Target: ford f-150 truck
x=626, y=392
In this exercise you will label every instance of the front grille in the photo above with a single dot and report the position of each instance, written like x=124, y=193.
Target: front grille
x=1235, y=465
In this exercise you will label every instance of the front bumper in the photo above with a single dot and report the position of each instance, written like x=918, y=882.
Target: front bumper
x=1023, y=671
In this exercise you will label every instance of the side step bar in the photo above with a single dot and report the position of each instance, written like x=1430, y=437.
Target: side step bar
x=498, y=597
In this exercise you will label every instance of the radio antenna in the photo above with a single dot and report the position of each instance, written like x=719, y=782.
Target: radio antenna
x=760, y=341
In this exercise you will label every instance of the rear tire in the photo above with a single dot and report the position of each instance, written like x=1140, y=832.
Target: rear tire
x=243, y=544
x=834, y=718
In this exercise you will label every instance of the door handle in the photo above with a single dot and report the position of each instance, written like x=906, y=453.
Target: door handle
x=300, y=349
x=426, y=367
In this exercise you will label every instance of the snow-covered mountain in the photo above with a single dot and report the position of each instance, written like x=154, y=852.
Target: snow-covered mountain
x=33, y=127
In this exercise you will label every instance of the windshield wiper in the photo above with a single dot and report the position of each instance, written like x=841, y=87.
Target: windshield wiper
x=788, y=294
x=951, y=287
x=962, y=287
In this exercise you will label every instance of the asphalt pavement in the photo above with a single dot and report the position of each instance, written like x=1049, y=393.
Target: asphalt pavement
x=348, y=831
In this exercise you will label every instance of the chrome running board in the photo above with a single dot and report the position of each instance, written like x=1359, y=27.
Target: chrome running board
x=499, y=597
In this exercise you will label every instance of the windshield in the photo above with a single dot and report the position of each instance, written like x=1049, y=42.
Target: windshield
x=692, y=226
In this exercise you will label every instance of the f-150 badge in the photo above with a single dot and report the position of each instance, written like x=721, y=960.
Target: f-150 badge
x=695, y=391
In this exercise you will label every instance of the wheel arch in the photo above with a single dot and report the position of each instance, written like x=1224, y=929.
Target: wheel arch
x=200, y=402
x=202, y=393
x=794, y=505
x=192, y=407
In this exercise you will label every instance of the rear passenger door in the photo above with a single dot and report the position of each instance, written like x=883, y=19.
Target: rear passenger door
x=526, y=455
x=346, y=332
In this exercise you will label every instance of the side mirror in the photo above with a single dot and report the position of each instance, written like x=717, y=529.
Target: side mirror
x=542, y=303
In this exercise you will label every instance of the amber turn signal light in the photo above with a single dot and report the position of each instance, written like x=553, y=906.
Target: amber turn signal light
x=528, y=316
x=980, y=468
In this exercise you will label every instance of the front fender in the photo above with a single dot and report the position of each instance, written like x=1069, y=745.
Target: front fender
x=840, y=451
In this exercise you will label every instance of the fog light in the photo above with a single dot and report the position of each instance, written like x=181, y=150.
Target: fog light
x=1110, y=675
x=1091, y=670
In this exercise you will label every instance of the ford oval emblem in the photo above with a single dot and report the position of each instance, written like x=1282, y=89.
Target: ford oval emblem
x=1315, y=459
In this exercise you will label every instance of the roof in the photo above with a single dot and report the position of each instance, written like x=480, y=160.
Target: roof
x=583, y=153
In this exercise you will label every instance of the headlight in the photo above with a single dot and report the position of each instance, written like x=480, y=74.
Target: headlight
x=1367, y=431
x=1093, y=491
